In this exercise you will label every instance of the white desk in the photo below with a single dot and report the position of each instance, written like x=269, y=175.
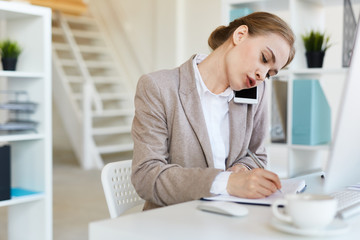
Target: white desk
x=184, y=221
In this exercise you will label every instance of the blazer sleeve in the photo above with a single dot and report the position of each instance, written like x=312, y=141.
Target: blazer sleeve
x=154, y=178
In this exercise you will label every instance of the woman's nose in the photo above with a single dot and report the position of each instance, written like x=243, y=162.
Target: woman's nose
x=261, y=75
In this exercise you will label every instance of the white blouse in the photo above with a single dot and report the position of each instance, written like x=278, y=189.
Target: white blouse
x=216, y=113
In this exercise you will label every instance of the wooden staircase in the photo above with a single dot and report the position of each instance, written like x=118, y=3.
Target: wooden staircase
x=93, y=98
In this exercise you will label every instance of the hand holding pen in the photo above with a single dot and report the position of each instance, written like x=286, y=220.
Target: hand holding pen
x=257, y=183
x=257, y=162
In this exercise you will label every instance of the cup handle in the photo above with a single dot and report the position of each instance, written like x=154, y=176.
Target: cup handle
x=279, y=215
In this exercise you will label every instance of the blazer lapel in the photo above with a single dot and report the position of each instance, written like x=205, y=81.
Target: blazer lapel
x=237, y=125
x=190, y=100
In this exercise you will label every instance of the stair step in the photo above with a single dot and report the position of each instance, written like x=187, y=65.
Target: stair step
x=113, y=96
x=81, y=20
x=115, y=148
x=99, y=64
x=68, y=62
x=97, y=80
x=75, y=79
x=61, y=46
x=92, y=49
x=114, y=113
x=57, y=31
x=86, y=34
x=111, y=130
x=106, y=80
x=89, y=64
x=105, y=96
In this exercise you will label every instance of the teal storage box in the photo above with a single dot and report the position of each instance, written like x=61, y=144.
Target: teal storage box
x=311, y=114
x=239, y=12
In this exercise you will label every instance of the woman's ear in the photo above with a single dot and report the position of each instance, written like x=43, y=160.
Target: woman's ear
x=239, y=34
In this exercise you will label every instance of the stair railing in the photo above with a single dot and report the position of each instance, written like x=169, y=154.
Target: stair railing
x=90, y=96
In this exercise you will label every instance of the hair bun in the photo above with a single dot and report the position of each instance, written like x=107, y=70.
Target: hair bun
x=218, y=37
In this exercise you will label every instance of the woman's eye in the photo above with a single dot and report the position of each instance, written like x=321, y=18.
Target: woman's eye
x=264, y=59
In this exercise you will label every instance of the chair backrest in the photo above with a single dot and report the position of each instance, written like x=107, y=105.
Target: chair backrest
x=119, y=192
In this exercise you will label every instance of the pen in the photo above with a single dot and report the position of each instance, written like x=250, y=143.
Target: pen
x=255, y=159
x=257, y=162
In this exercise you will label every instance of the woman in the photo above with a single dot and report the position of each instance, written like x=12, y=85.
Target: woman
x=190, y=138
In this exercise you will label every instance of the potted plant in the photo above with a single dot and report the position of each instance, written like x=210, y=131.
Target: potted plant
x=316, y=43
x=10, y=51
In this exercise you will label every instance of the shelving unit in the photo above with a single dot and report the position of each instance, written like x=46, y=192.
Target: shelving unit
x=29, y=213
x=303, y=15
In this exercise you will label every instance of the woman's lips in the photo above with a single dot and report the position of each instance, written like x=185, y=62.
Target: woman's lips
x=250, y=82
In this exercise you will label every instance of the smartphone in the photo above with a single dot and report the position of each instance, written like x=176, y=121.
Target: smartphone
x=249, y=96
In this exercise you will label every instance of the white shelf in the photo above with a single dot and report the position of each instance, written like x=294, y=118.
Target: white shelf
x=19, y=10
x=320, y=71
x=326, y=3
x=22, y=200
x=273, y=144
x=21, y=137
x=284, y=75
x=310, y=148
x=260, y=4
x=324, y=147
x=17, y=74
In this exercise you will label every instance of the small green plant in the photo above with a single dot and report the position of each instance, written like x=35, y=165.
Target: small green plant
x=10, y=49
x=315, y=41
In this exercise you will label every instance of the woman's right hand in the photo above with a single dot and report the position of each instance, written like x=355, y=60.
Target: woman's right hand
x=257, y=183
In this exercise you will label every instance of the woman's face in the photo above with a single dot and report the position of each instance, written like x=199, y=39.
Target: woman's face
x=251, y=60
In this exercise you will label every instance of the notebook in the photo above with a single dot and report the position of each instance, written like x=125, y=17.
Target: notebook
x=288, y=186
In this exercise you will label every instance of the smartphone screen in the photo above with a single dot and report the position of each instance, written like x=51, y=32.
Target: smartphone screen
x=249, y=96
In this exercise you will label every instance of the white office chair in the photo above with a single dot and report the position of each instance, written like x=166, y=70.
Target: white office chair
x=119, y=192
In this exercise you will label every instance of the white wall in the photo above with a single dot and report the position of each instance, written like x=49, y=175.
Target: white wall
x=197, y=19
x=130, y=26
x=164, y=33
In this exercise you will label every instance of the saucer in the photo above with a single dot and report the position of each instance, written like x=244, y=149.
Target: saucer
x=337, y=227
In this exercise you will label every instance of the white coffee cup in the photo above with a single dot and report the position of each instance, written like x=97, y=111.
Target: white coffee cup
x=307, y=211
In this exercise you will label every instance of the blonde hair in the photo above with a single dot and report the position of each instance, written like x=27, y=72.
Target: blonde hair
x=258, y=23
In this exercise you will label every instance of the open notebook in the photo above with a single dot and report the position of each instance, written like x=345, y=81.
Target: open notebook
x=288, y=186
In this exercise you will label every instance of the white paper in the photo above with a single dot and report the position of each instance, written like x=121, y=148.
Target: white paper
x=287, y=186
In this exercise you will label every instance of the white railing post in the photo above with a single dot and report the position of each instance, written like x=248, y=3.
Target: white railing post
x=87, y=123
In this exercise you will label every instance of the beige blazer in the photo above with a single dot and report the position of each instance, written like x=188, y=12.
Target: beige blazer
x=172, y=160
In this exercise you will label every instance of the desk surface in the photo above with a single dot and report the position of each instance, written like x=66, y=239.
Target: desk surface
x=184, y=221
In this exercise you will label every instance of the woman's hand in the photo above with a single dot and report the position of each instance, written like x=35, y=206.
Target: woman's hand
x=238, y=168
x=257, y=183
